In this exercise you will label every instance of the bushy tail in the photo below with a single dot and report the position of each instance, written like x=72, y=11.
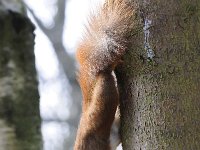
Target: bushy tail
x=104, y=41
x=100, y=50
x=105, y=38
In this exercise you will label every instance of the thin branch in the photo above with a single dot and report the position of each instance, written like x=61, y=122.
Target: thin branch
x=59, y=19
x=37, y=20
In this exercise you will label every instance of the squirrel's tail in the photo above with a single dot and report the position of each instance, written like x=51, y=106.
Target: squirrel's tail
x=100, y=50
x=105, y=38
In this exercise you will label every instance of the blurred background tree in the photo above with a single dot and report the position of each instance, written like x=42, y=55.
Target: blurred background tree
x=58, y=26
x=19, y=97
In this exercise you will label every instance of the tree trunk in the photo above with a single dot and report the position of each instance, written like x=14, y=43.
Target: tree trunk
x=19, y=98
x=160, y=78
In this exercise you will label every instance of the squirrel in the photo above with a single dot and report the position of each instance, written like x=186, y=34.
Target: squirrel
x=99, y=52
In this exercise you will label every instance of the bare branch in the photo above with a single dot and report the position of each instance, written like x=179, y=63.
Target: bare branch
x=61, y=13
x=38, y=21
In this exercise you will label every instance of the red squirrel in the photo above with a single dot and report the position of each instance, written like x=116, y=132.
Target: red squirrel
x=98, y=53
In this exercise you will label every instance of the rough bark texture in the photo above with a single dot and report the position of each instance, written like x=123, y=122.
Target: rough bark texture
x=160, y=98
x=19, y=99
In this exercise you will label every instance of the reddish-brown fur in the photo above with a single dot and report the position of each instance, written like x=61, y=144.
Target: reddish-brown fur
x=99, y=53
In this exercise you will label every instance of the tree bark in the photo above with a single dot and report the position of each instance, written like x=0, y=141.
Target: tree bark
x=19, y=98
x=160, y=78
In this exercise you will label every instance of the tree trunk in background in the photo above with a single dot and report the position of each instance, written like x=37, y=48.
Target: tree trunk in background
x=160, y=84
x=19, y=99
